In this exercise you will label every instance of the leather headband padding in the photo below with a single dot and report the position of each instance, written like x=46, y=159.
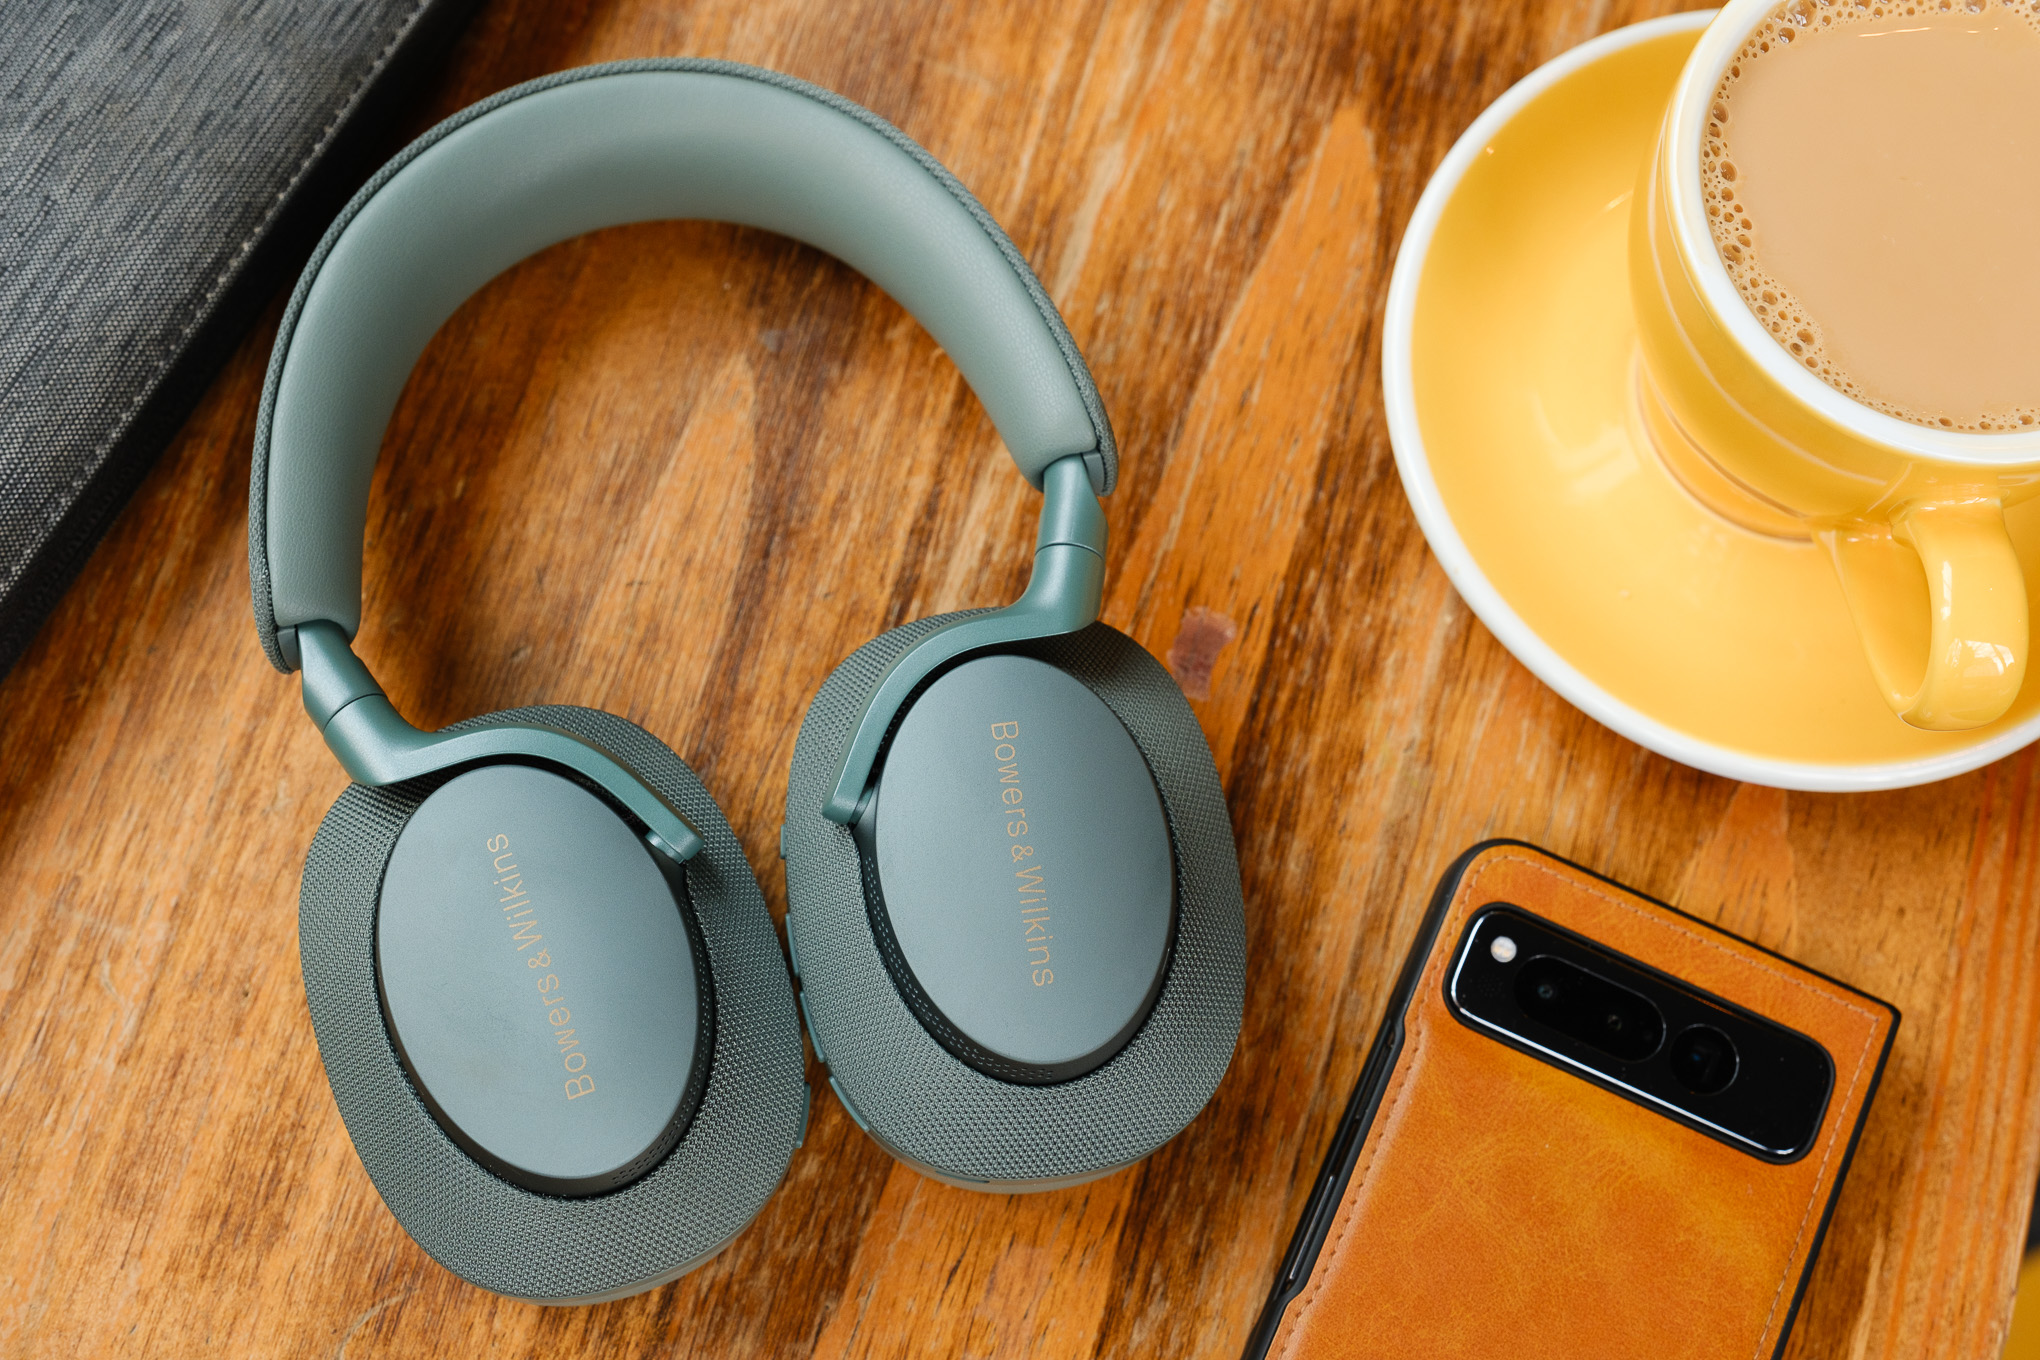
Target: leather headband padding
x=599, y=147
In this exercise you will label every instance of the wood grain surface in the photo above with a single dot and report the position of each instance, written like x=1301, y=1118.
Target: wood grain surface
x=678, y=471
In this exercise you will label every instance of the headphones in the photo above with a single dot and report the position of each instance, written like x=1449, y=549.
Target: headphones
x=551, y=1004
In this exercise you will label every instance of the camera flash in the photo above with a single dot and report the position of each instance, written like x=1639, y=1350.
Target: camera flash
x=1502, y=948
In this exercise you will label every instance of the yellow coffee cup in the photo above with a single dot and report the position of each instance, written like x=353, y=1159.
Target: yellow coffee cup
x=1911, y=517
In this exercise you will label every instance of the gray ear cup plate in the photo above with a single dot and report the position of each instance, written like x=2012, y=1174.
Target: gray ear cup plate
x=924, y=1104
x=503, y=1237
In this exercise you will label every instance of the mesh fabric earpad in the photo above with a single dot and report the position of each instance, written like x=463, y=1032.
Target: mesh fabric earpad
x=503, y=1237
x=924, y=1104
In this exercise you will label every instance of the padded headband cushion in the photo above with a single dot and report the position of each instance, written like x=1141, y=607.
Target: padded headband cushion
x=503, y=1237
x=598, y=147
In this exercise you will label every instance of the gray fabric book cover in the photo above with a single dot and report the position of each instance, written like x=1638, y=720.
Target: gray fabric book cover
x=165, y=167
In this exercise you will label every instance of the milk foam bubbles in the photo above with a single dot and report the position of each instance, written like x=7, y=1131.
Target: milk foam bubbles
x=1871, y=173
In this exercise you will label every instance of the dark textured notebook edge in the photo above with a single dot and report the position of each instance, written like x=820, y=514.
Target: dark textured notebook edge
x=285, y=241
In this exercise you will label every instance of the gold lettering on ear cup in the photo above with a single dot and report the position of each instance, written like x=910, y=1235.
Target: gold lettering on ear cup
x=516, y=907
x=975, y=925
x=674, y=1209
x=914, y=1094
x=502, y=973
x=1034, y=913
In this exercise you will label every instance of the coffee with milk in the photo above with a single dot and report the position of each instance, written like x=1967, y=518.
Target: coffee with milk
x=1872, y=178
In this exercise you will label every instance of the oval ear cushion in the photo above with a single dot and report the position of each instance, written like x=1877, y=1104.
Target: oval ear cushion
x=928, y=1107
x=498, y=1235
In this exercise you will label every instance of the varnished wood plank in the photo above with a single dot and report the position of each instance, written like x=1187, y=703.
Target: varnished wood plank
x=678, y=471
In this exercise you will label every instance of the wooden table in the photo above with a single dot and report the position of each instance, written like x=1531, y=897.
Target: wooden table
x=781, y=465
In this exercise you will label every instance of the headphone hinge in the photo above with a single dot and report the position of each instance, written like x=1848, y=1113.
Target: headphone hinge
x=378, y=748
x=1063, y=595
x=333, y=676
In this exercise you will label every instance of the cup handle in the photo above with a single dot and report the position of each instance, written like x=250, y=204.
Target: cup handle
x=1947, y=643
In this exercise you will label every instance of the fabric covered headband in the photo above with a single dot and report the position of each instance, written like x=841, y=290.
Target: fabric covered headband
x=599, y=147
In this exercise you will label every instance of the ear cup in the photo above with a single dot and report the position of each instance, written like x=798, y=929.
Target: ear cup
x=918, y=1092
x=713, y=1158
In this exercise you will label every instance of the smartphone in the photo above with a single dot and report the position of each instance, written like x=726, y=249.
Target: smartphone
x=1591, y=1127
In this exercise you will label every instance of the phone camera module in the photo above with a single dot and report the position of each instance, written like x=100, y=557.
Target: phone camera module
x=1648, y=1037
x=1704, y=1060
x=1591, y=1009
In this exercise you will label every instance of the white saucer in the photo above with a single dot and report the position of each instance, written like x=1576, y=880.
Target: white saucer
x=1510, y=398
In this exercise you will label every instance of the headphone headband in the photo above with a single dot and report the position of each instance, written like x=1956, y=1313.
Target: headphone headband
x=596, y=147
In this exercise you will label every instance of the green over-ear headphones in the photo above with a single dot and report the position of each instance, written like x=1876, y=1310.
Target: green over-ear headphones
x=552, y=1006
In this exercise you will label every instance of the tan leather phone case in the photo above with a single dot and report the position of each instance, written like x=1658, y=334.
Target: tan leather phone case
x=1497, y=1205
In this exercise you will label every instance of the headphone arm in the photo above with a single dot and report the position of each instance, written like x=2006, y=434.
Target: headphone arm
x=1063, y=596
x=378, y=748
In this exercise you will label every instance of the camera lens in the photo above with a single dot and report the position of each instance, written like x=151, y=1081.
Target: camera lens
x=1703, y=1059
x=1592, y=1009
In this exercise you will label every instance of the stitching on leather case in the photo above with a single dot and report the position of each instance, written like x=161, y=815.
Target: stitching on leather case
x=1764, y=963
x=1399, y=1085
x=1363, y=1171
x=1392, y=1103
x=1827, y=1155
x=1761, y=960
